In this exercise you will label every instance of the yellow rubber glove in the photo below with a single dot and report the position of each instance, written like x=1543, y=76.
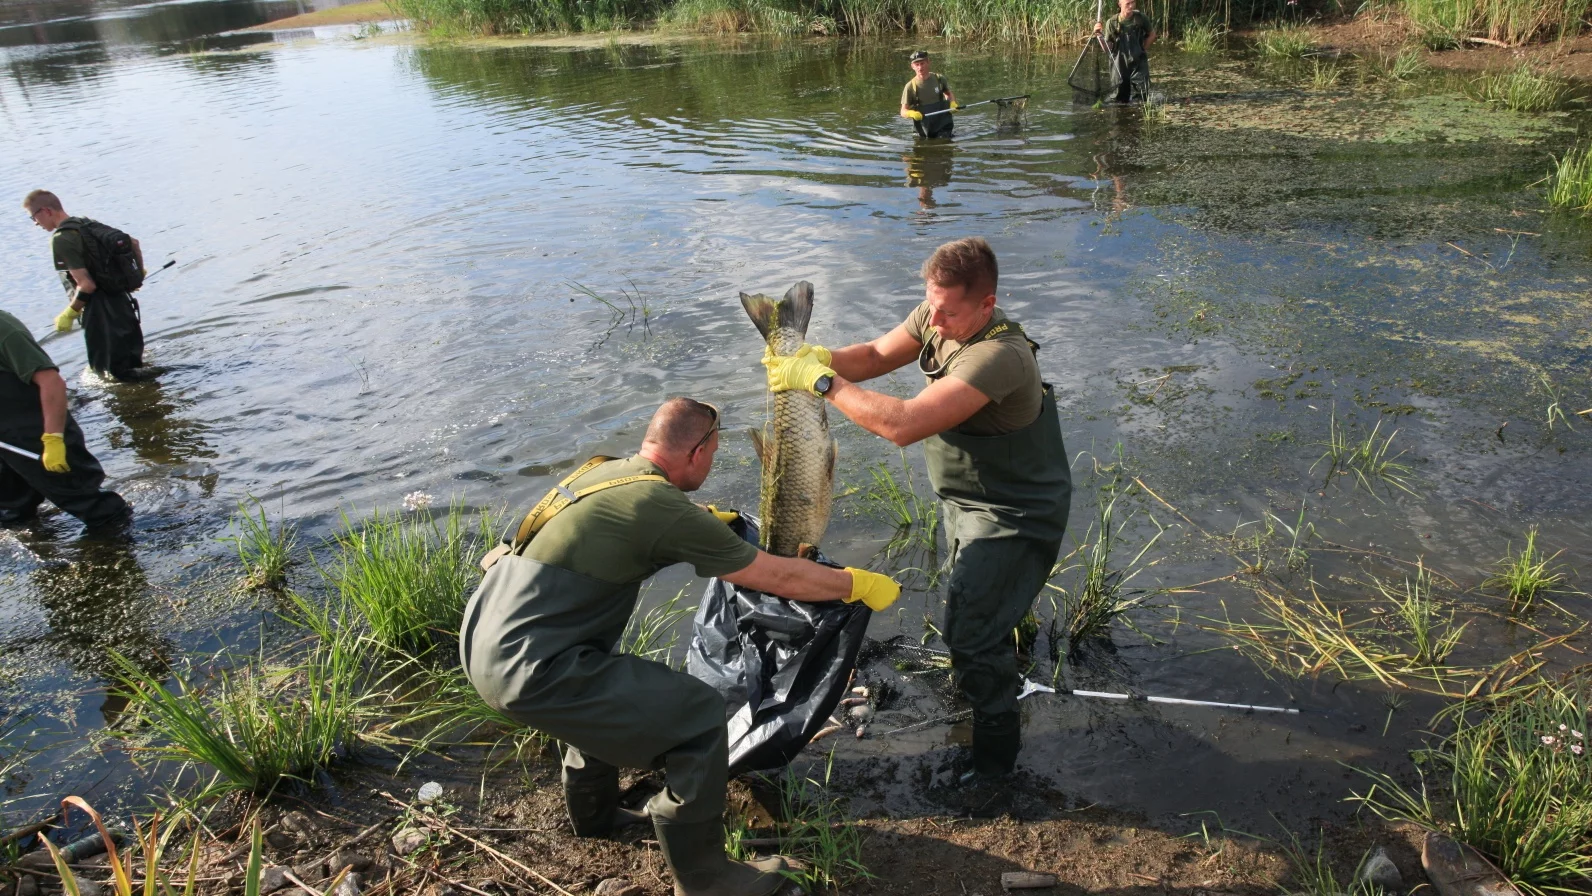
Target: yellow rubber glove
x=54, y=453
x=795, y=372
x=725, y=516
x=824, y=355
x=913, y=114
x=955, y=105
x=63, y=321
x=875, y=590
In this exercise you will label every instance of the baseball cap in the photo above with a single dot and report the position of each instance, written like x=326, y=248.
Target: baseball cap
x=920, y=54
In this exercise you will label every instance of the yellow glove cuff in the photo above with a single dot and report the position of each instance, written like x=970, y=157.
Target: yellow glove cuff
x=875, y=590
x=913, y=114
x=724, y=516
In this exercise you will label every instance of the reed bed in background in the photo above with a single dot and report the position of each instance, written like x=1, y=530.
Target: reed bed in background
x=1203, y=37
x=1509, y=21
x=408, y=575
x=1513, y=779
x=1570, y=181
x=1523, y=89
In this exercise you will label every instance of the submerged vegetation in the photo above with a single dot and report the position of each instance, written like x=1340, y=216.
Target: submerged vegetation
x=1570, y=181
x=1523, y=576
x=1100, y=594
x=1366, y=455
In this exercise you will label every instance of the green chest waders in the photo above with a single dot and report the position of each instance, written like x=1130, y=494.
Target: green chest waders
x=538, y=642
x=1005, y=501
x=939, y=126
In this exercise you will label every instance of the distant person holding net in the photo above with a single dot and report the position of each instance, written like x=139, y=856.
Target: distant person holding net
x=1128, y=36
x=927, y=100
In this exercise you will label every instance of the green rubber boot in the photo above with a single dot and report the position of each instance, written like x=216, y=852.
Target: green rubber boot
x=593, y=804
x=695, y=853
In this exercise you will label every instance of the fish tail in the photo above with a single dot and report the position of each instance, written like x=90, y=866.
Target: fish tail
x=790, y=313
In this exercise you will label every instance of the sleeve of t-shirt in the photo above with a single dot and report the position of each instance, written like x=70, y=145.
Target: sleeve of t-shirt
x=1113, y=27
x=67, y=246
x=906, y=96
x=993, y=368
x=700, y=539
x=917, y=323
x=21, y=356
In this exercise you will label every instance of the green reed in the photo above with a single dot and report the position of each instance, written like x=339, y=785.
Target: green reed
x=526, y=16
x=1527, y=574
x=259, y=724
x=1430, y=637
x=653, y=634
x=894, y=499
x=815, y=830
x=1570, y=181
x=152, y=845
x=1324, y=76
x=1510, y=21
x=1203, y=37
x=1513, y=779
x=1287, y=42
x=407, y=575
x=1365, y=455
x=739, y=16
x=264, y=551
x=1409, y=63
x=1101, y=595
x=1311, y=873
x=1522, y=89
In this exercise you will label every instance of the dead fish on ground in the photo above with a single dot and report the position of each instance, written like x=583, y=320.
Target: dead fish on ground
x=795, y=448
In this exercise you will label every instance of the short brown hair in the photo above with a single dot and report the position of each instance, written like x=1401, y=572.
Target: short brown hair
x=679, y=423
x=41, y=199
x=968, y=263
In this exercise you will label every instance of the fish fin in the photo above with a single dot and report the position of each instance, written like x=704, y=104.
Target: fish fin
x=763, y=312
x=806, y=551
x=757, y=443
x=792, y=312
x=796, y=309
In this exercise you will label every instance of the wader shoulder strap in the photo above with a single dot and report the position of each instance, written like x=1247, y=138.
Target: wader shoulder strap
x=1005, y=326
x=554, y=503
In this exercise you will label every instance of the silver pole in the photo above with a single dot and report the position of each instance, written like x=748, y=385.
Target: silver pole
x=22, y=451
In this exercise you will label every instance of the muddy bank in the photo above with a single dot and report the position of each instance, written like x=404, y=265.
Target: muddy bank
x=1571, y=58
x=352, y=14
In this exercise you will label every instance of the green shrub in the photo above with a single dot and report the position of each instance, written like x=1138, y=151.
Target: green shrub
x=1522, y=90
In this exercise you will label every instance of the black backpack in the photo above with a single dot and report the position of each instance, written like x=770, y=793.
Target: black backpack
x=111, y=259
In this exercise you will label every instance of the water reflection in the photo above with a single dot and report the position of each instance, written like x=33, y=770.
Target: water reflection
x=154, y=424
x=929, y=165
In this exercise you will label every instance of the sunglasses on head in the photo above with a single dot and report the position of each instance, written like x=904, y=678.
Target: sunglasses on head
x=712, y=428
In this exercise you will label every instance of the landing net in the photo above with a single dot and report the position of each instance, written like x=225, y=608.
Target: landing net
x=1010, y=112
x=1090, y=80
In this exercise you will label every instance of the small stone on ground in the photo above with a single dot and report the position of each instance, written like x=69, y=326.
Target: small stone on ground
x=617, y=886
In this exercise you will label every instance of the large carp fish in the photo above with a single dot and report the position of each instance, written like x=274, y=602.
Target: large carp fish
x=794, y=446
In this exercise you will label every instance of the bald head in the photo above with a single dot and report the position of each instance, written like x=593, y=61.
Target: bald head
x=679, y=425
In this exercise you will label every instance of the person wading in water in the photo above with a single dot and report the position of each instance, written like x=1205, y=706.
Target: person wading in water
x=1128, y=35
x=113, y=332
x=540, y=632
x=992, y=439
x=927, y=92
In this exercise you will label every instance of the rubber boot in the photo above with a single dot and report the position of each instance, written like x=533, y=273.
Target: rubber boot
x=997, y=738
x=593, y=805
x=695, y=853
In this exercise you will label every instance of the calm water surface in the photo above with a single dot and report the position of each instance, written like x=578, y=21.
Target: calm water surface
x=380, y=245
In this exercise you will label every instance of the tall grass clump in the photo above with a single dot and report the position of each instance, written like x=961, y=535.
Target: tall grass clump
x=739, y=16
x=408, y=575
x=1522, y=89
x=264, y=551
x=1365, y=455
x=814, y=830
x=1100, y=595
x=1430, y=636
x=1513, y=779
x=258, y=725
x=1287, y=42
x=1570, y=181
x=1523, y=576
x=1324, y=76
x=1312, y=873
x=1203, y=37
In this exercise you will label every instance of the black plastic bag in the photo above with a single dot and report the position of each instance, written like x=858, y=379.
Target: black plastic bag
x=782, y=665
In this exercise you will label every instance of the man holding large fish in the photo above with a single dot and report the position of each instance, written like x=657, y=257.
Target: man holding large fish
x=539, y=635
x=992, y=439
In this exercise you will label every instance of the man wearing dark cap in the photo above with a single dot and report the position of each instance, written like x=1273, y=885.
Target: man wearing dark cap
x=924, y=95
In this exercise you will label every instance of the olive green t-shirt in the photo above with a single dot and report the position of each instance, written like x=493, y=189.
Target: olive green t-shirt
x=1137, y=27
x=20, y=354
x=66, y=245
x=627, y=533
x=1002, y=367
x=932, y=90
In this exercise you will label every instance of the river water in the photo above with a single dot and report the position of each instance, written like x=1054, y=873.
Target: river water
x=387, y=251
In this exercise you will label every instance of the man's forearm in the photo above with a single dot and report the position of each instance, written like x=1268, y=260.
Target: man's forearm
x=859, y=363
x=883, y=415
x=52, y=396
x=792, y=579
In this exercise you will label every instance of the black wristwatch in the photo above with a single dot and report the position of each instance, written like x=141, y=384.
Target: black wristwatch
x=822, y=384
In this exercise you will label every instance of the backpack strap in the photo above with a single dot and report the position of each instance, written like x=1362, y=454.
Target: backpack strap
x=556, y=501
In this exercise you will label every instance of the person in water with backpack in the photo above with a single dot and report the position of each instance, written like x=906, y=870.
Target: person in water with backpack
x=1128, y=36
x=924, y=95
x=100, y=268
